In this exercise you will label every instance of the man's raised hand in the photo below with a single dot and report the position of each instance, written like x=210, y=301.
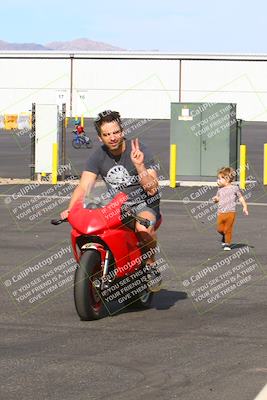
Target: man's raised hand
x=137, y=156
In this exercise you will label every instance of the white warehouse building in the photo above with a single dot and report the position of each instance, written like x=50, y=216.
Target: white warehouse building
x=138, y=84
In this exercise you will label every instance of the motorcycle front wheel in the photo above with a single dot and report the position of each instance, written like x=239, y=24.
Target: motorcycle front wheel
x=88, y=302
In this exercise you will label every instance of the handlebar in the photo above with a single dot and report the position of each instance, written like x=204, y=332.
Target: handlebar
x=143, y=221
x=125, y=209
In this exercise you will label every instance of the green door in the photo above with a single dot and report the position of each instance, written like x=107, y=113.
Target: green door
x=205, y=134
x=215, y=138
x=182, y=134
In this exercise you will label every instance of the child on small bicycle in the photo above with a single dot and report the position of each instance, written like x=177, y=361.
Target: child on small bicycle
x=80, y=131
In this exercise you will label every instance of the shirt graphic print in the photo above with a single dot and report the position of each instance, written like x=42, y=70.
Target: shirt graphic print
x=117, y=177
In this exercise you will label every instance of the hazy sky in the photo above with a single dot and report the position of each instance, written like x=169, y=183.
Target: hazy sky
x=170, y=25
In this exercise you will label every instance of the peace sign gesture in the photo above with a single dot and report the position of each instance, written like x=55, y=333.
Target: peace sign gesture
x=137, y=156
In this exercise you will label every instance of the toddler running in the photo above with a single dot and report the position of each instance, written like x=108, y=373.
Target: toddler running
x=227, y=197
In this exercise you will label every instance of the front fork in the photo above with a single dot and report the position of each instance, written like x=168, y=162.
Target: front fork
x=103, y=282
x=105, y=270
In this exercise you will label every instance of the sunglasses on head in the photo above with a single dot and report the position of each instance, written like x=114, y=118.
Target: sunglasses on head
x=102, y=115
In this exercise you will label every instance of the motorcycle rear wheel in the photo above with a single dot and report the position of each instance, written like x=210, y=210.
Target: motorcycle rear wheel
x=88, y=302
x=143, y=300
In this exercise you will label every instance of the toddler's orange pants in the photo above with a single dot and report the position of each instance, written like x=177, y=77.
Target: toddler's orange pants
x=225, y=223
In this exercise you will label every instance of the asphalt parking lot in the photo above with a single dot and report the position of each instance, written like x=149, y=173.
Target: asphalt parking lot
x=204, y=336
x=181, y=348
x=15, y=154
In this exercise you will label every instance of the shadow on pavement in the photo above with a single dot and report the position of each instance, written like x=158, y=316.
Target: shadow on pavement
x=165, y=299
x=162, y=300
x=240, y=245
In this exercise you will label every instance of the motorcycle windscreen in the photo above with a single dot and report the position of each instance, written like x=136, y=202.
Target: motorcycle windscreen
x=97, y=220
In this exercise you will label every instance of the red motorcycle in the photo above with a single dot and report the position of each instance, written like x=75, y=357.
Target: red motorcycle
x=111, y=260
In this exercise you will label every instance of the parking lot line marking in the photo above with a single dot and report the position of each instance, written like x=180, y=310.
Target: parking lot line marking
x=200, y=202
x=35, y=195
x=262, y=395
x=162, y=200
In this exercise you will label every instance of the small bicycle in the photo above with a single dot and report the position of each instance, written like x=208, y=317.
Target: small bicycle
x=79, y=141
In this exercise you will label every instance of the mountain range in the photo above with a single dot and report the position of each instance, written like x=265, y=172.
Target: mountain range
x=81, y=44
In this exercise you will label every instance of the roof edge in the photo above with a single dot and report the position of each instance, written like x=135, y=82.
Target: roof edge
x=131, y=54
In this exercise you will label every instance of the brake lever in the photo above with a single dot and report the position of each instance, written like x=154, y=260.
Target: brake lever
x=129, y=213
x=145, y=222
x=58, y=221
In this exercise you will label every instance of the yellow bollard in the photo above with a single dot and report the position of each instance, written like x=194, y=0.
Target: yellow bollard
x=173, y=159
x=243, y=162
x=54, y=163
x=66, y=122
x=43, y=174
x=82, y=121
x=265, y=164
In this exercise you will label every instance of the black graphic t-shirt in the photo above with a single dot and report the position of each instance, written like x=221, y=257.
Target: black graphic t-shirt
x=120, y=174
